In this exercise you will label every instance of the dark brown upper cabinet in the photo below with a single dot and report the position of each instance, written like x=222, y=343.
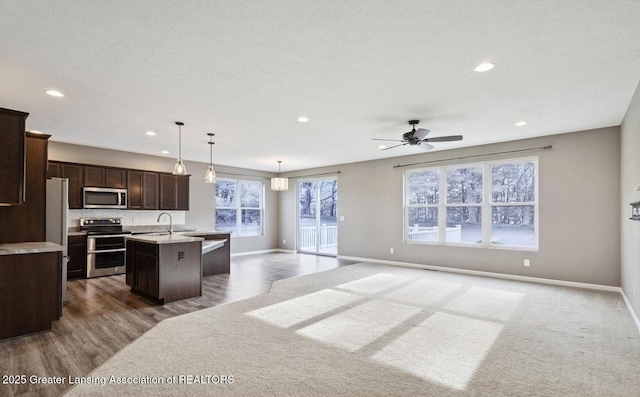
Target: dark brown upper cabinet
x=75, y=174
x=115, y=178
x=12, y=156
x=95, y=176
x=26, y=222
x=174, y=192
x=142, y=190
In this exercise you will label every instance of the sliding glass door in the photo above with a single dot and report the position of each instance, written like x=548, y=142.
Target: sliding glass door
x=317, y=216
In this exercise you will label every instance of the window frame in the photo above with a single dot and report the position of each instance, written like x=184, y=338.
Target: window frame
x=486, y=205
x=239, y=208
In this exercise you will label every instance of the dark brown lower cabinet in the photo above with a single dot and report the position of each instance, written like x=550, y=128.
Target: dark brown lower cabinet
x=31, y=295
x=165, y=272
x=77, y=265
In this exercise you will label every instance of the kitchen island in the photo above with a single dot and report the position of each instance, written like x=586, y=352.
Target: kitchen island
x=165, y=268
x=216, y=251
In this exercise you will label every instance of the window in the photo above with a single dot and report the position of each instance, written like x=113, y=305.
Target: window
x=239, y=207
x=490, y=204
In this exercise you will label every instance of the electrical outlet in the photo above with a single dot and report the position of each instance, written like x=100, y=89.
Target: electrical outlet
x=391, y=250
x=342, y=219
x=284, y=242
x=527, y=263
x=133, y=219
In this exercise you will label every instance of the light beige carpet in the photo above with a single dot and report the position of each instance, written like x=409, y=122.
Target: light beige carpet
x=375, y=330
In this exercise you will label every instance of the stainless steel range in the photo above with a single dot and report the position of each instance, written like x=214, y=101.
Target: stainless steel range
x=105, y=246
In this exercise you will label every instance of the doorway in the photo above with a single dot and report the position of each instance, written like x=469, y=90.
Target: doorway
x=317, y=216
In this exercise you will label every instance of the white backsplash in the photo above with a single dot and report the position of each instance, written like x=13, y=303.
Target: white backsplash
x=129, y=217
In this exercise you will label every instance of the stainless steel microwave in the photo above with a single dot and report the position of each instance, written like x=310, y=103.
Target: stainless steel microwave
x=101, y=197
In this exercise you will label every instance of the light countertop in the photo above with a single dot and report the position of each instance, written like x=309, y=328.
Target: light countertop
x=165, y=239
x=202, y=233
x=35, y=247
x=211, y=245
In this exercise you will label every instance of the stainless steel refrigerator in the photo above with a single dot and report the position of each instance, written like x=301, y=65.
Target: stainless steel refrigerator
x=57, y=229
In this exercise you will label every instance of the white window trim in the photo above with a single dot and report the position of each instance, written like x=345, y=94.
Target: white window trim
x=238, y=208
x=485, y=205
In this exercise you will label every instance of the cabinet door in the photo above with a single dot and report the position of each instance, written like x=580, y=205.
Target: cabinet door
x=146, y=274
x=94, y=176
x=167, y=192
x=116, y=178
x=53, y=170
x=75, y=174
x=182, y=193
x=150, y=191
x=77, y=265
x=12, y=155
x=134, y=189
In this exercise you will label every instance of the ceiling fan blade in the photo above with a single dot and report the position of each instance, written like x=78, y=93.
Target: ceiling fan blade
x=426, y=146
x=391, y=147
x=444, y=138
x=421, y=133
x=389, y=140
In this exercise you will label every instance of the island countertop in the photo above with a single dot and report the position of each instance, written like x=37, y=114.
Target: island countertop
x=34, y=247
x=165, y=239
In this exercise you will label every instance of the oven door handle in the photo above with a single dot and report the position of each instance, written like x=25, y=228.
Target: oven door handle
x=106, y=251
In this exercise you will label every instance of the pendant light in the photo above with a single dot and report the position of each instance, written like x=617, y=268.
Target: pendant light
x=210, y=175
x=279, y=183
x=179, y=168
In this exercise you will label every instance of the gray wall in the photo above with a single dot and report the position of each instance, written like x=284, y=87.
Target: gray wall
x=630, y=178
x=579, y=236
x=201, y=214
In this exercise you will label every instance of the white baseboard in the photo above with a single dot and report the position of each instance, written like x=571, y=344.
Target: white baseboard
x=633, y=314
x=269, y=251
x=488, y=274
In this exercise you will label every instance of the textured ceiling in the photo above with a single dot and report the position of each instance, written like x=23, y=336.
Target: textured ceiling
x=358, y=70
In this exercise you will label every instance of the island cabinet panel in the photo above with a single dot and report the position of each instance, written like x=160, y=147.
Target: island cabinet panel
x=217, y=261
x=75, y=174
x=77, y=265
x=31, y=293
x=165, y=272
x=27, y=222
x=12, y=155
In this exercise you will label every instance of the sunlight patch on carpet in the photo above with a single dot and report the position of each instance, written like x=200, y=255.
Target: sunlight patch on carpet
x=422, y=292
x=297, y=310
x=373, y=284
x=359, y=326
x=444, y=348
x=490, y=303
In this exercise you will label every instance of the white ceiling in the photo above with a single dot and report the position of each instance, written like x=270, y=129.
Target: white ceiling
x=246, y=70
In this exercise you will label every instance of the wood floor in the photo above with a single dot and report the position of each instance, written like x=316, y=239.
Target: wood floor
x=102, y=316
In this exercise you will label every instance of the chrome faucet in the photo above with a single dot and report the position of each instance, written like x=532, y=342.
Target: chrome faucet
x=170, y=221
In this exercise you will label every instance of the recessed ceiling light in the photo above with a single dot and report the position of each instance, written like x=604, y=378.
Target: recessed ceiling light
x=521, y=123
x=303, y=119
x=485, y=66
x=382, y=147
x=150, y=133
x=36, y=132
x=165, y=152
x=55, y=93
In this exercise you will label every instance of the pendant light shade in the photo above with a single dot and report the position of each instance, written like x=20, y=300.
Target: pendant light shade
x=179, y=168
x=279, y=183
x=210, y=175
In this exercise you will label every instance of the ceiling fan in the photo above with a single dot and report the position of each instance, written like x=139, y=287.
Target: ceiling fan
x=419, y=137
